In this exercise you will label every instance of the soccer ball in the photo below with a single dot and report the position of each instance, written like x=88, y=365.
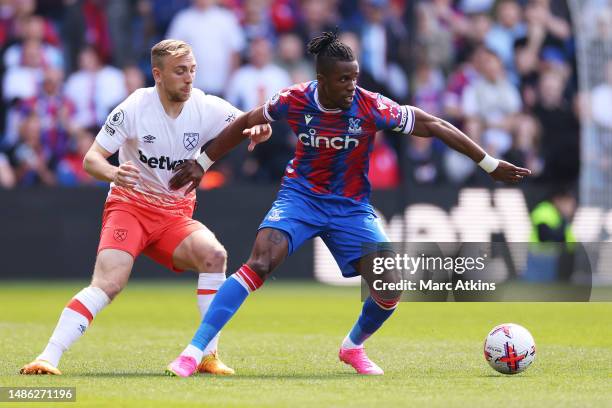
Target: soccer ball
x=509, y=348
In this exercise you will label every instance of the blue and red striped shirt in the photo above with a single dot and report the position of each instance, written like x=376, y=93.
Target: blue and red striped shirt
x=333, y=148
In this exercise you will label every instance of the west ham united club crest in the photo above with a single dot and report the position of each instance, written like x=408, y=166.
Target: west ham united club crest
x=190, y=140
x=120, y=234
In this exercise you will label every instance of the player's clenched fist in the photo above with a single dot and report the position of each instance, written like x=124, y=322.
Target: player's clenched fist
x=127, y=175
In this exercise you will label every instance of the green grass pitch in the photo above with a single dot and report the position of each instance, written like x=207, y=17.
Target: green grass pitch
x=284, y=342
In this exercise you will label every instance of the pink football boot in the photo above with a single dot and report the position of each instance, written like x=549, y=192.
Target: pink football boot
x=358, y=359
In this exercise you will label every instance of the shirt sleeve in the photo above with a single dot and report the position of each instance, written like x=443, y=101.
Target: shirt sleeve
x=389, y=115
x=116, y=129
x=220, y=113
x=277, y=107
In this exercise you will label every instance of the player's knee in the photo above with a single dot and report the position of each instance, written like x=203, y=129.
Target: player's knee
x=110, y=287
x=111, y=274
x=213, y=260
x=387, y=299
x=261, y=266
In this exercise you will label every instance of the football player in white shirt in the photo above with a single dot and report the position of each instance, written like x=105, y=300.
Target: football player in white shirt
x=155, y=130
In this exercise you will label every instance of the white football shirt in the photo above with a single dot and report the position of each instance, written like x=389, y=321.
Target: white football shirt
x=145, y=135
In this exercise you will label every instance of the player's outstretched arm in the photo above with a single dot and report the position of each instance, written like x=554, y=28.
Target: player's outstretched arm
x=251, y=125
x=96, y=164
x=426, y=125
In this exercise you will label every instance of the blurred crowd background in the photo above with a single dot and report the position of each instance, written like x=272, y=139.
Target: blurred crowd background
x=504, y=71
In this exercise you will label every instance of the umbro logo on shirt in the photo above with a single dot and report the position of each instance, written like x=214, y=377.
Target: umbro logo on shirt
x=149, y=138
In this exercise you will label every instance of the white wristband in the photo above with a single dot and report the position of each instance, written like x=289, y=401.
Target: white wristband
x=489, y=164
x=204, y=161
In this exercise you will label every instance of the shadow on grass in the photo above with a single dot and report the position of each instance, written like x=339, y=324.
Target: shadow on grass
x=120, y=374
x=275, y=376
x=503, y=376
x=238, y=377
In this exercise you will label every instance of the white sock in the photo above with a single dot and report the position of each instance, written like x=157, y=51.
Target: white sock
x=208, y=284
x=193, y=351
x=347, y=343
x=74, y=320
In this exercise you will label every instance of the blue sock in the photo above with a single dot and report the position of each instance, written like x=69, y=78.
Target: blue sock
x=226, y=303
x=371, y=318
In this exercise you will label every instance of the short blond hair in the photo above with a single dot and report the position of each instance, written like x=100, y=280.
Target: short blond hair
x=175, y=48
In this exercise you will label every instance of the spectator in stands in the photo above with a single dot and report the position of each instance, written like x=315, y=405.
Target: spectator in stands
x=134, y=78
x=85, y=24
x=7, y=23
x=33, y=162
x=35, y=29
x=596, y=27
x=284, y=15
x=508, y=27
x=601, y=101
x=381, y=42
x=257, y=20
x=23, y=8
x=12, y=15
x=216, y=38
x=552, y=252
x=480, y=26
x=476, y=6
x=550, y=19
x=163, y=12
x=95, y=89
x=437, y=24
x=465, y=74
x=447, y=17
x=494, y=101
x=424, y=162
x=254, y=83
x=560, y=143
x=527, y=65
x=7, y=176
x=118, y=15
x=250, y=87
x=451, y=59
x=290, y=57
x=428, y=88
x=70, y=170
x=525, y=142
x=56, y=112
x=22, y=80
x=317, y=16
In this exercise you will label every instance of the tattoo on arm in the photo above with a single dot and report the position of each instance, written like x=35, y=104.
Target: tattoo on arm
x=276, y=237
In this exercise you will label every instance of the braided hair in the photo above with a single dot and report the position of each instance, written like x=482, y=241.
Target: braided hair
x=327, y=48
